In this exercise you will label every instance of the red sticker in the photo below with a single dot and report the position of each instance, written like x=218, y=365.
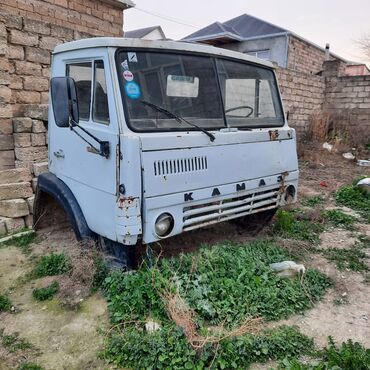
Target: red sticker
x=128, y=76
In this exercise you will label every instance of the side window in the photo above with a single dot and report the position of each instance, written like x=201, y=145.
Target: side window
x=81, y=73
x=100, y=102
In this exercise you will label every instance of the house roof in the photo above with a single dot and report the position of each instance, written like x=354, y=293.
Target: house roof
x=243, y=28
x=141, y=32
x=240, y=28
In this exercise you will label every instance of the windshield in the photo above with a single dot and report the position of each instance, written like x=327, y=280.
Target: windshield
x=209, y=92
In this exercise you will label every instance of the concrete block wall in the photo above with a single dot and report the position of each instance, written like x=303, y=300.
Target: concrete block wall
x=303, y=96
x=304, y=57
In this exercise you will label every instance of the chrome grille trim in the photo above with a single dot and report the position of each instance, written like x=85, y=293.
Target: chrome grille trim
x=226, y=209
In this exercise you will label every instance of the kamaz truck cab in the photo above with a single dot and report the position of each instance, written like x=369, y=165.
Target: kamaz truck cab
x=149, y=139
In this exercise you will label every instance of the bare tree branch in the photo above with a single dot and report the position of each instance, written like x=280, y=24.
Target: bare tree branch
x=363, y=44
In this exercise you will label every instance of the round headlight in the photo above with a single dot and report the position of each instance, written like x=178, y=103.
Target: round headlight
x=164, y=224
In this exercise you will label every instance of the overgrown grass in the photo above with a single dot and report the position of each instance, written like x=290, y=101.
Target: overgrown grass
x=349, y=356
x=23, y=242
x=168, y=349
x=5, y=303
x=288, y=226
x=52, y=264
x=223, y=285
x=313, y=201
x=355, y=198
x=351, y=258
x=29, y=366
x=13, y=342
x=44, y=294
x=338, y=218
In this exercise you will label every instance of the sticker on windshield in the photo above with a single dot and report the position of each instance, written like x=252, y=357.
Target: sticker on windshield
x=133, y=90
x=124, y=65
x=128, y=76
x=132, y=57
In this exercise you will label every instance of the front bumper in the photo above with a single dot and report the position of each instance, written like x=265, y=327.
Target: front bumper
x=198, y=208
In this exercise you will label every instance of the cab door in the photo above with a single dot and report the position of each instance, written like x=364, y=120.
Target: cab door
x=91, y=177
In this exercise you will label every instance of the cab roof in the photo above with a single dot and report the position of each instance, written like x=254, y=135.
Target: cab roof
x=119, y=42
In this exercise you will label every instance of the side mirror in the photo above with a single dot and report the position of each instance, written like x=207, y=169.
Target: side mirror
x=64, y=101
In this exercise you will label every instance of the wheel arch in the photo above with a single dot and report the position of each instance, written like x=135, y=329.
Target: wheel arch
x=48, y=185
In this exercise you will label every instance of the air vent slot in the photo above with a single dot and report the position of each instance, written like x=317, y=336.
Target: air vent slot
x=176, y=166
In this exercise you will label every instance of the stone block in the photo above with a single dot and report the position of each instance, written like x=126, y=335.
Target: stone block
x=34, y=184
x=38, y=126
x=6, y=126
x=62, y=32
x=22, y=124
x=36, y=26
x=27, y=68
x=38, y=55
x=38, y=139
x=28, y=220
x=36, y=111
x=49, y=43
x=15, y=190
x=14, y=208
x=6, y=159
x=36, y=83
x=5, y=94
x=14, y=224
x=15, y=175
x=15, y=52
x=23, y=38
x=27, y=97
x=3, y=230
x=22, y=140
x=14, y=21
x=31, y=154
x=30, y=202
x=39, y=168
x=6, y=142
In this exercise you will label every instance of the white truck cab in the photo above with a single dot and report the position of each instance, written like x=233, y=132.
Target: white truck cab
x=148, y=139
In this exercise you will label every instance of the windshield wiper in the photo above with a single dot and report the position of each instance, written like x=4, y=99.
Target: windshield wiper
x=177, y=118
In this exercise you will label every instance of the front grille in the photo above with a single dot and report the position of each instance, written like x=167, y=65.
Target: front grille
x=181, y=165
x=226, y=209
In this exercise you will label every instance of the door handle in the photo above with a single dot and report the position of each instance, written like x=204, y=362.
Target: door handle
x=59, y=154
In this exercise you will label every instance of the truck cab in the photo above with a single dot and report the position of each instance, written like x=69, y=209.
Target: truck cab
x=149, y=139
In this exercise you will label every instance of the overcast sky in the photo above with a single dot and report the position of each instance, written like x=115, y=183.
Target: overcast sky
x=339, y=22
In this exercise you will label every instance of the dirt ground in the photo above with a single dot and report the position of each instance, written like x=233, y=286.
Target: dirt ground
x=67, y=339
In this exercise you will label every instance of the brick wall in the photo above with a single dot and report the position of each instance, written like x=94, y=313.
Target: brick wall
x=303, y=95
x=92, y=16
x=347, y=100
x=304, y=57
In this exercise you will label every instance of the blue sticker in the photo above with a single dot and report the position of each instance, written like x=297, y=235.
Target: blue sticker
x=133, y=90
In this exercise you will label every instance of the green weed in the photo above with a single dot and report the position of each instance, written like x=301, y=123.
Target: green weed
x=29, y=366
x=313, y=201
x=13, y=343
x=23, y=242
x=352, y=258
x=5, y=303
x=43, y=294
x=223, y=285
x=338, y=218
x=168, y=349
x=355, y=198
x=349, y=356
x=52, y=264
x=288, y=226
x=101, y=271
